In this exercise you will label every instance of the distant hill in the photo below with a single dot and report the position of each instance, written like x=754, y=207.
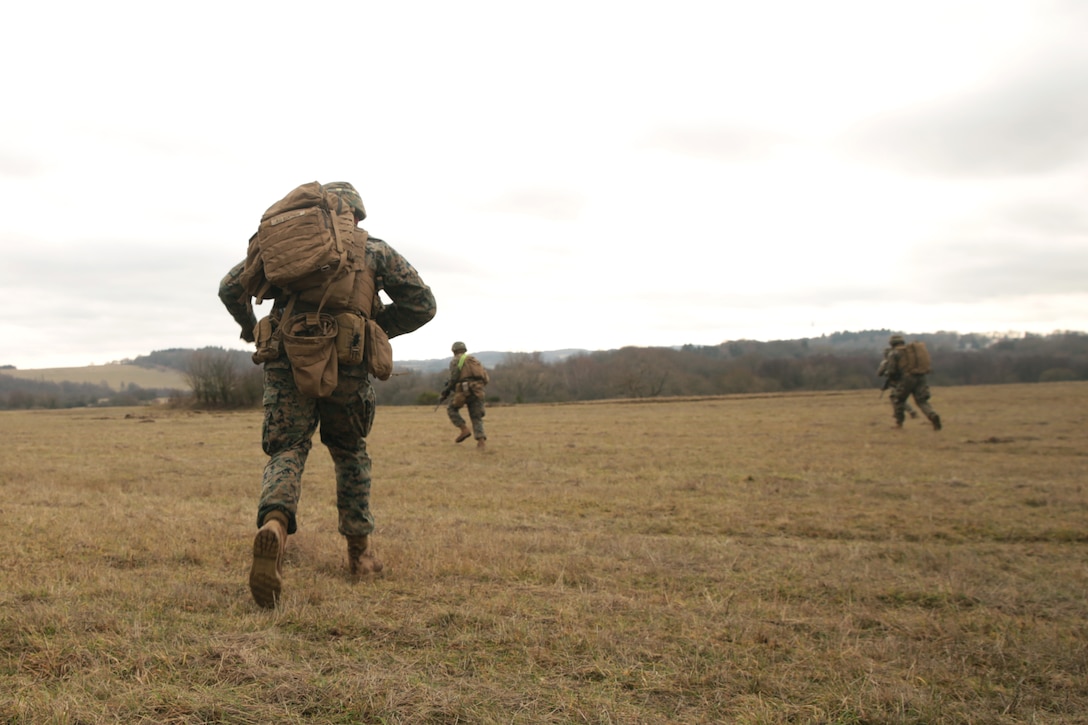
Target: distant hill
x=115, y=376
x=165, y=369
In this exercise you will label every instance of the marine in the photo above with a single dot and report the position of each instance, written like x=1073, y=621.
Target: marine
x=345, y=416
x=907, y=383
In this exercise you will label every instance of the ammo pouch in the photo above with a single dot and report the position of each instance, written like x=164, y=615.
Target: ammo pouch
x=350, y=338
x=310, y=342
x=359, y=339
x=266, y=336
x=379, y=353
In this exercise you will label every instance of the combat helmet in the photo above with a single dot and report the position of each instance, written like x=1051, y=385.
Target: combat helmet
x=896, y=340
x=458, y=347
x=348, y=193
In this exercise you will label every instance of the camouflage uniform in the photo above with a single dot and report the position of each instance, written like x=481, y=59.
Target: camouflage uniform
x=905, y=385
x=883, y=371
x=467, y=381
x=291, y=419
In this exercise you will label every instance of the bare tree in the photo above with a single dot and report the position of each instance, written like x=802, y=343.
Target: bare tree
x=218, y=381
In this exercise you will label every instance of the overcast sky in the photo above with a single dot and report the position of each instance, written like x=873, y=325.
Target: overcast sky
x=563, y=174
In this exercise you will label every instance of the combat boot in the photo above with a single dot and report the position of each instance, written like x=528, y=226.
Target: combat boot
x=266, y=576
x=465, y=433
x=361, y=559
x=481, y=444
x=936, y=421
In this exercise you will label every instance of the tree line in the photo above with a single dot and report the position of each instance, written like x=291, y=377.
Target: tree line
x=848, y=362
x=19, y=394
x=842, y=361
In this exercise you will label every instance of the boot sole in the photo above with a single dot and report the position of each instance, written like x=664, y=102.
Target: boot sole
x=264, y=579
x=366, y=565
x=463, y=436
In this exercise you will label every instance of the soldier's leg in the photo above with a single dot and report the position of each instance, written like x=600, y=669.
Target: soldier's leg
x=476, y=412
x=921, y=397
x=899, y=397
x=290, y=420
x=346, y=419
x=289, y=423
x=453, y=411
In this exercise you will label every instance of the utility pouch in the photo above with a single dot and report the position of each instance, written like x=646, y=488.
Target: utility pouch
x=350, y=338
x=310, y=342
x=379, y=353
x=266, y=336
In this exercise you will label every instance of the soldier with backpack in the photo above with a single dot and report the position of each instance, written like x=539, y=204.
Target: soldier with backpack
x=326, y=335
x=467, y=381
x=906, y=368
x=881, y=372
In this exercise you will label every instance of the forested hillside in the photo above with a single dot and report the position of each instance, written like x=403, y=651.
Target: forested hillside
x=842, y=361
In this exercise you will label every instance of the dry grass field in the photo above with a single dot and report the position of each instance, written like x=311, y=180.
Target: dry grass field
x=749, y=559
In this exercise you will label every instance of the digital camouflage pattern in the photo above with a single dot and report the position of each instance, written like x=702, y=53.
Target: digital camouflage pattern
x=290, y=421
x=469, y=390
x=906, y=385
x=348, y=193
x=882, y=371
x=344, y=418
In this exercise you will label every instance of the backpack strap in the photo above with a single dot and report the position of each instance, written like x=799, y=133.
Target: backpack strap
x=263, y=291
x=339, y=247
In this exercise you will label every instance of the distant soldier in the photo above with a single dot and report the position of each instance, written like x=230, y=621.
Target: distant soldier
x=467, y=382
x=881, y=372
x=906, y=369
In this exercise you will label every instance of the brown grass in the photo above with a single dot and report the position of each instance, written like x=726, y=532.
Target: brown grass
x=752, y=559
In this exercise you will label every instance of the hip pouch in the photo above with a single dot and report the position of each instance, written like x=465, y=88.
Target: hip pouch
x=266, y=336
x=310, y=342
x=350, y=338
x=379, y=353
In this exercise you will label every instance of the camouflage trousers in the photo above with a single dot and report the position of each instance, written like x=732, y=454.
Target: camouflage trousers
x=911, y=386
x=290, y=421
x=470, y=394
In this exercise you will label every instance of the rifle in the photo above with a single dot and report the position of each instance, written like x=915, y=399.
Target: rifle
x=443, y=399
x=887, y=384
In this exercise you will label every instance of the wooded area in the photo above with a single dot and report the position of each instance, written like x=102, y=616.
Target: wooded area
x=842, y=361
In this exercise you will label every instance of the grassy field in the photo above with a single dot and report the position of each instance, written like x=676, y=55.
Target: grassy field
x=750, y=559
x=116, y=376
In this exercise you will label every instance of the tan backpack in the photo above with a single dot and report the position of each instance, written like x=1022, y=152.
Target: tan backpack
x=303, y=245
x=473, y=368
x=915, y=359
x=308, y=246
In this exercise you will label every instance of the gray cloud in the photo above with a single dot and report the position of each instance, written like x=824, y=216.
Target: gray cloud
x=1005, y=267
x=1028, y=248
x=1033, y=122
x=1047, y=218
x=108, y=271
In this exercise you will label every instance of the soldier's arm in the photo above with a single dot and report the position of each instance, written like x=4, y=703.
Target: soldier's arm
x=892, y=370
x=413, y=304
x=238, y=303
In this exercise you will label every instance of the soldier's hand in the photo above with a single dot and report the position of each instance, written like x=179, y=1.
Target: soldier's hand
x=247, y=334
